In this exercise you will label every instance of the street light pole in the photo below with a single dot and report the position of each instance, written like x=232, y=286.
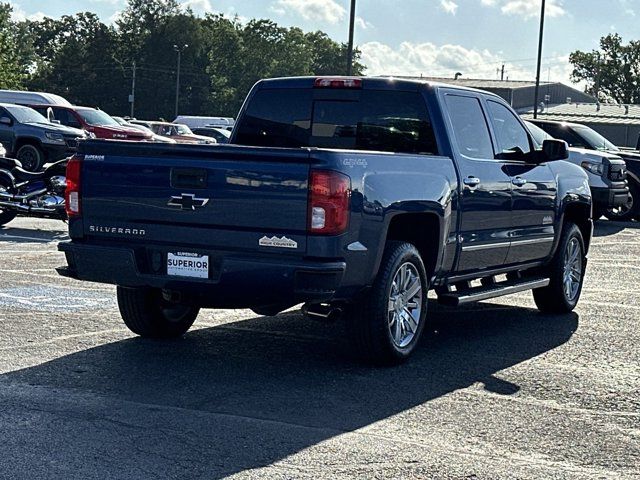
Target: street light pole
x=179, y=50
x=537, y=92
x=352, y=25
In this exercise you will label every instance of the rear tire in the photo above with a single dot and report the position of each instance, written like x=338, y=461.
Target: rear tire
x=566, y=272
x=5, y=215
x=31, y=157
x=629, y=211
x=386, y=325
x=146, y=313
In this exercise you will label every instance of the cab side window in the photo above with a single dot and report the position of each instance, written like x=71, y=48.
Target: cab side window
x=469, y=127
x=511, y=135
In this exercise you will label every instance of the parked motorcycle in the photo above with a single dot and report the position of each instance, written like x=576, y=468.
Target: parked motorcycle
x=35, y=194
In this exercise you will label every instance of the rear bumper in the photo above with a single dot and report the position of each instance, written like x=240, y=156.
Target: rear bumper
x=610, y=197
x=235, y=280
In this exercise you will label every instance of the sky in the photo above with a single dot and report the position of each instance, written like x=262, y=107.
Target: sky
x=423, y=37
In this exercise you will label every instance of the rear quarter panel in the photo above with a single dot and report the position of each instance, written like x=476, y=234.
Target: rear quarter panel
x=385, y=185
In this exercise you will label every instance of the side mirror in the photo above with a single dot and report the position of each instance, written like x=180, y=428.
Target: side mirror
x=555, y=150
x=6, y=121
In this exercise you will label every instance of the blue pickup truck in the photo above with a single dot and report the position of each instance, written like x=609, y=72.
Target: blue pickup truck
x=352, y=196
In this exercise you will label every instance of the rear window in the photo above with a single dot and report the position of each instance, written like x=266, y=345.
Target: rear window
x=389, y=121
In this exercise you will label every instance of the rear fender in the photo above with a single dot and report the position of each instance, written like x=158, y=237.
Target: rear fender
x=388, y=195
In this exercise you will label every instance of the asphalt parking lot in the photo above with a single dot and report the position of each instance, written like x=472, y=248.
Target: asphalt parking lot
x=496, y=391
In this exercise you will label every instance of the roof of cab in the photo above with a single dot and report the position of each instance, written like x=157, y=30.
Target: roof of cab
x=374, y=83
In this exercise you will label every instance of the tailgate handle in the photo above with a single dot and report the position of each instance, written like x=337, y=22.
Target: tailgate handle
x=188, y=178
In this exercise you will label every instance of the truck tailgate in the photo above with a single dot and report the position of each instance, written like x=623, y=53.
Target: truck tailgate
x=226, y=197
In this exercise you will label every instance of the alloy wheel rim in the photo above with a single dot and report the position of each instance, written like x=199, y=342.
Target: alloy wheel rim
x=405, y=305
x=572, y=278
x=28, y=159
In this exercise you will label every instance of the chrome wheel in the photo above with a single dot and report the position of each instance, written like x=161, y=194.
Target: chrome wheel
x=572, y=278
x=405, y=305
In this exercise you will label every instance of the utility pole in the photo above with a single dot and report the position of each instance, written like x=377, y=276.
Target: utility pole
x=178, y=49
x=352, y=25
x=132, y=98
x=537, y=92
x=502, y=73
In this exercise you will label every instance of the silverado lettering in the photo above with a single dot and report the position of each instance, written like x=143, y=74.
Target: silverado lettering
x=117, y=230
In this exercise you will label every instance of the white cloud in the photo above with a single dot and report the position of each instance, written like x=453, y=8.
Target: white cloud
x=431, y=60
x=363, y=24
x=328, y=11
x=527, y=8
x=199, y=6
x=19, y=14
x=449, y=6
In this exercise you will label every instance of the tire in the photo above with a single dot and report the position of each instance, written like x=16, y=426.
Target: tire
x=31, y=157
x=146, y=313
x=628, y=212
x=5, y=215
x=556, y=298
x=385, y=327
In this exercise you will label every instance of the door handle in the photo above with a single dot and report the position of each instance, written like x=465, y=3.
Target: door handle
x=472, y=181
x=519, y=182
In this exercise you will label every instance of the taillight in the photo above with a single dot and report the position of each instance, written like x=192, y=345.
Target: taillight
x=72, y=193
x=329, y=195
x=338, y=83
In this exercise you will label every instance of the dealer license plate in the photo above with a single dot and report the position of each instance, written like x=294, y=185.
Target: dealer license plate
x=192, y=265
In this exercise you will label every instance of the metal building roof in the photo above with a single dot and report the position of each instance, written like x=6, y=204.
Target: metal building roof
x=478, y=82
x=591, y=113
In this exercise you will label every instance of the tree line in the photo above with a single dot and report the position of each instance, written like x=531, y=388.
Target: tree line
x=91, y=63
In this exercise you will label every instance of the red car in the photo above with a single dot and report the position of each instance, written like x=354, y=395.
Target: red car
x=91, y=120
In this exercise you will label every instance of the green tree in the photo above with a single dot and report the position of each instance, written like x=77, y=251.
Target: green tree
x=612, y=72
x=242, y=55
x=90, y=63
x=78, y=59
x=12, y=73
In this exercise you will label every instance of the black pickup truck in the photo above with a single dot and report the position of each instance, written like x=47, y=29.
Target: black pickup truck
x=354, y=197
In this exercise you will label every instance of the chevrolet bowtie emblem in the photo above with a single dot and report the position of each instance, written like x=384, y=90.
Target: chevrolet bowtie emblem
x=187, y=201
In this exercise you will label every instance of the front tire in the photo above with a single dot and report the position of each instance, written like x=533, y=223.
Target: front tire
x=386, y=325
x=566, y=272
x=628, y=211
x=31, y=157
x=146, y=313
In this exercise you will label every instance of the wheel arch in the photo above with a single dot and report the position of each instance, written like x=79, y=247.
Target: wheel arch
x=424, y=231
x=22, y=141
x=580, y=214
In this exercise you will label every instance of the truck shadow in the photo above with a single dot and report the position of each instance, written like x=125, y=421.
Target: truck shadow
x=605, y=228
x=32, y=235
x=266, y=388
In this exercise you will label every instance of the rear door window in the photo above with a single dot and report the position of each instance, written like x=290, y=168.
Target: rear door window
x=376, y=120
x=470, y=127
